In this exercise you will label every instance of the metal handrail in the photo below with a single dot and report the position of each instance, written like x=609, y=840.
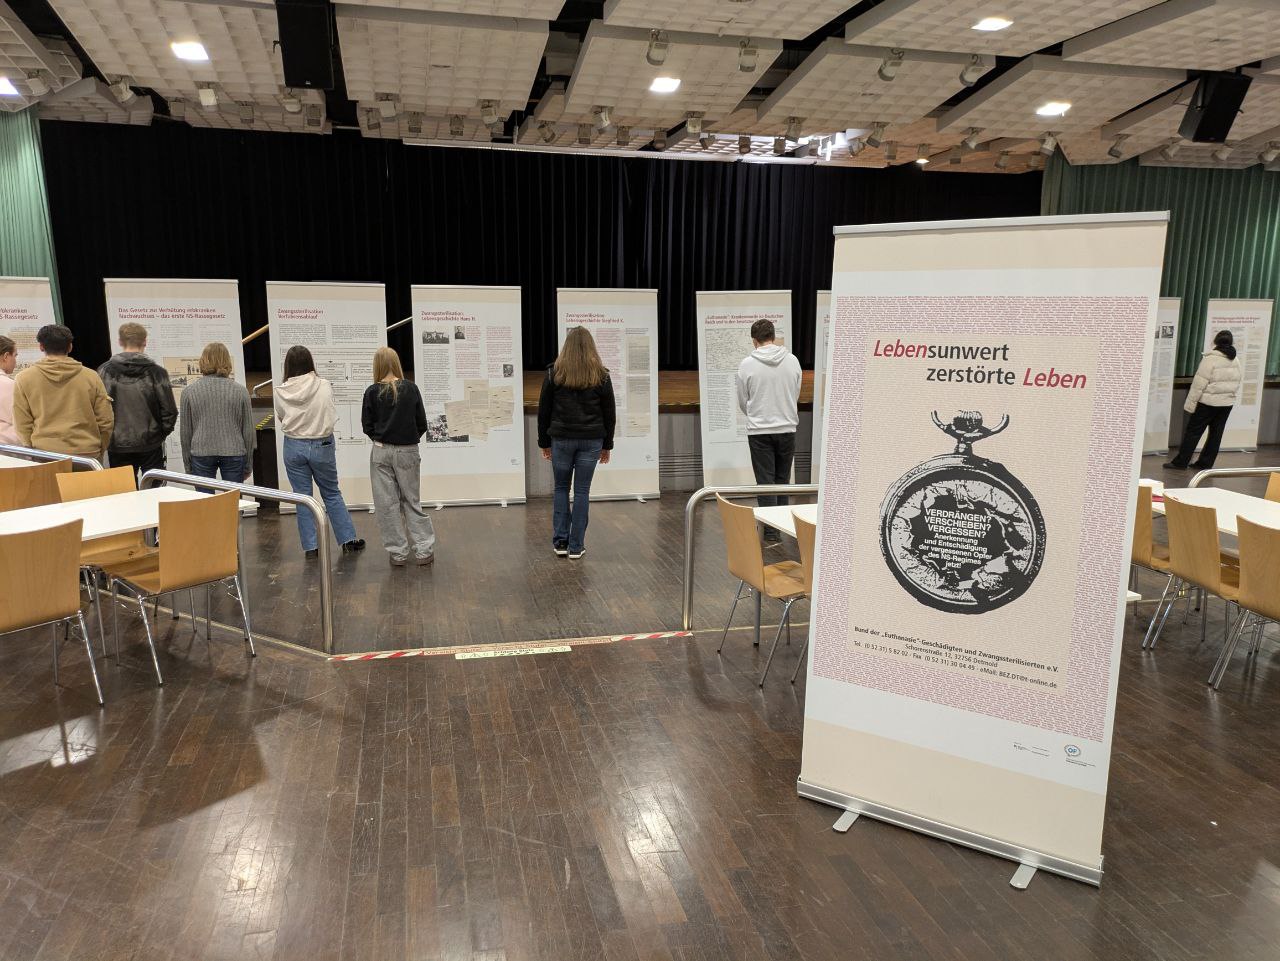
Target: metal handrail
x=729, y=493
x=253, y=391
x=30, y=453
x=1213, y=472
x=154, y=478
x=399, y=323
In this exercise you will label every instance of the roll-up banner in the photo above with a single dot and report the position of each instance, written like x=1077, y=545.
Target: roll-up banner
x=181, y=317
x=821, y=328
x=26, y=305
x=467, y=364
x=988, y=387
x=1250, y=323
x=724, y=341
x=1164, y=355
x=342, y=325
x=624, y=324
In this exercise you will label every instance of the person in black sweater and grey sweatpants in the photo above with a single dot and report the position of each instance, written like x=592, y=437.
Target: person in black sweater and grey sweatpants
x=395, y=420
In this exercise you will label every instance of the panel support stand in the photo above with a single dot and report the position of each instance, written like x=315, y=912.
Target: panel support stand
x=845, y=821
x=1022, y=877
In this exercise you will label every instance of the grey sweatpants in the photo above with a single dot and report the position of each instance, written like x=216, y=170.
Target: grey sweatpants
x=394, y=472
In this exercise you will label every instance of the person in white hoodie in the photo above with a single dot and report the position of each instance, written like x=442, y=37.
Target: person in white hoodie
x=306, y=414
x=1209, y=402
x=769, y=394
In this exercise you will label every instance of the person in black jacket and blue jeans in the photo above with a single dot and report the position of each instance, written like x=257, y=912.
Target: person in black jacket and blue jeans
x=143, y=401
x=576, y=415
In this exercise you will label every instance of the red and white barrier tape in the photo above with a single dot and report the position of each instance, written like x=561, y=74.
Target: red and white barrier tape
x=522, y=647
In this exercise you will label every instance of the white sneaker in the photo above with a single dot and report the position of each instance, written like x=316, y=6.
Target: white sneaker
x=561, y=549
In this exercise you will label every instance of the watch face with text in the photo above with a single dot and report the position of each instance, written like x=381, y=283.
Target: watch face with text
x=959, y=532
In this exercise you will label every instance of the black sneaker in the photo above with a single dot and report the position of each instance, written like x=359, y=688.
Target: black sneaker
x=351, y=547
x=561, y=548
x=574, y=555
x=312, y=554
x=1172, y=466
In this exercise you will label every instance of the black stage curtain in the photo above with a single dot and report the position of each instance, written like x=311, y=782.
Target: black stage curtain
x=169, y=201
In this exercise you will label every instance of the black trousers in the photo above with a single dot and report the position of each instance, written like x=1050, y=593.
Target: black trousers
x=771, y=457
x=141, y=461
x=1214, y=419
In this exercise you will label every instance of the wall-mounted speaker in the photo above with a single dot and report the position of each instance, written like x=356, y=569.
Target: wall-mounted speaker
x=306, y=43
x=1214, y=106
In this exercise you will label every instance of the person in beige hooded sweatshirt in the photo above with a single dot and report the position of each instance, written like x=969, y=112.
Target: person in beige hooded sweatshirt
x=60, y=405
x=1209, y=402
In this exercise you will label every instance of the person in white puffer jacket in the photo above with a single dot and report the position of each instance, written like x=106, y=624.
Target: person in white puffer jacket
x=1209, y=402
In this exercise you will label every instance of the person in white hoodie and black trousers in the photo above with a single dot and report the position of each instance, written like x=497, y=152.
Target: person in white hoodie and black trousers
x=1209, y=402
x=769, y=395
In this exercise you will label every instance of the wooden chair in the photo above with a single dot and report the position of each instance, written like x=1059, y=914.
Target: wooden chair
x=197, y=546
x=807, y=536
x=781, y=581
x=1195, y=557
x=1273, y=487
x=40, y=584
x=1259, y=592
x=32, y=486
x=101, y=552
x=1146, y=553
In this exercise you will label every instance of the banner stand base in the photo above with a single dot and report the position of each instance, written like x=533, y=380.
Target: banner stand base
x=1027, y=859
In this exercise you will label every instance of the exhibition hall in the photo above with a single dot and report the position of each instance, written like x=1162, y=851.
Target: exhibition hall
x=728, y=480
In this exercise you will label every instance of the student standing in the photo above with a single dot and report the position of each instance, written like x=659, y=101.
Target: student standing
x=59, y=405
x=306, y=414
x=1209, y=402
x=769, y=394
x=395, y=420
x=576, y=417
x=142, y=399
x=216, y=422
x=8, y=361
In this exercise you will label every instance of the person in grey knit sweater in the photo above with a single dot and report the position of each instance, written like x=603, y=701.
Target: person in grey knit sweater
x=215, y=420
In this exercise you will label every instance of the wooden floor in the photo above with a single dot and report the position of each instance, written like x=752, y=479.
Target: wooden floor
x=623, y=801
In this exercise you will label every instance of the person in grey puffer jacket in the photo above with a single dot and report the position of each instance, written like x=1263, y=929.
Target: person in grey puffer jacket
x=1209, y=402
x=142, y=399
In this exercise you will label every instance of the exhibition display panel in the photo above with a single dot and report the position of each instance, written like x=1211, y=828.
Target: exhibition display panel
x=1164, y=357
x=26, y=305
x=1250, y=324
x=822, y=329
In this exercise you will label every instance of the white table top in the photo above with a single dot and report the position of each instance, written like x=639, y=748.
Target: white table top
x=779, y=518
x=102, y=516
x=8, y=460
x=1228, y=504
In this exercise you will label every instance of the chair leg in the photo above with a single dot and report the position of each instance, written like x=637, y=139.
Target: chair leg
x=1228, y=648
x=97, y=609
x=1155, y=615
x=191, y=600
x=804, y=649
x=1204, y=617
x=208, y=612
x=151, y=643
x=786, y=615
x=1257, y=637
x=737, y=597
x=244, y=613
x=54, y=634
x=1164, y=617
x=88, y=649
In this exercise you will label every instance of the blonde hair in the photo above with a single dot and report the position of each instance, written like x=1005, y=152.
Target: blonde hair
x=386, y=363
x=132, y=335
x=578, y=366
x=215, y=360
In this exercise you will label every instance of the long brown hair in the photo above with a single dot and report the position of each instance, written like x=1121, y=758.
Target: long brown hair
x=578, y=366
x=386, y=362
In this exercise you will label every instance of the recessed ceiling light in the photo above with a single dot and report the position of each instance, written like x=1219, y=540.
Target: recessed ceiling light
x=665, y=85
x=189, y=50
x=922, y=160
x=1054, y=108
x=992, y=24
x=7, y=89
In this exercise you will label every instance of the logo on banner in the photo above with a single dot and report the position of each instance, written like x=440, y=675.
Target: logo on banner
x=959, y=532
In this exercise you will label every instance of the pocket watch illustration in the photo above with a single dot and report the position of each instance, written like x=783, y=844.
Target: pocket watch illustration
x=959, y=532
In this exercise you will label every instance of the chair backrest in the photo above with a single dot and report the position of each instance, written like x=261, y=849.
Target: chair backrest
x=1259, y=568
x=742, y=543
x=1273, y=487
x=81, y=485
x=807, y=535
x=1194, y=552
x=32, y=486
x=1142, y=530
x=39, y=576
x=198, y=540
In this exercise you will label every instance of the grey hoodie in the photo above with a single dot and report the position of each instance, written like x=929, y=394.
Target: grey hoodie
x=769, y=390
x=304, y=407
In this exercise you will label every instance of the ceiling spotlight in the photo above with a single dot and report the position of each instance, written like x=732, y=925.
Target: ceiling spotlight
x=387, y=106
x=246, y=113
x=292, y=104
x=992, y=24
x=744, y=144
x=455, y=125
x=706, y=140
x=315, y=117
x=37, y=84
x=546, y=133
x=656, y=55
x=372, y=119
x=779, y=146
x=1048, y=143
x=659, y=140
x=693, y=124
x=793, y=127
x=1035, y=161
x=855, y=146
x=604, y=118
x=189, y=50
x=208, y=98
x=1116, y=150
x=1223, y=153
x=413, y=123
x=922, y=154
x=954, y=158
x=1170, y=150
x=122, y=91
x=624, y=137
x=971, y=137
x=1271, y=152
x=1002, y=162
x=7, y=89
x=584, y=134
x=1054, y=108
x=178, y=109
x=890, y=151
x=747, y=56
x=890, y=64
x=877, y=133
x=972, y=71
x=664, y=85
x=488, y=112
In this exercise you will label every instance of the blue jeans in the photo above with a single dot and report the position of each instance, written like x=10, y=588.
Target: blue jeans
x=318, y=459
x=572, y=461
x=234, y=468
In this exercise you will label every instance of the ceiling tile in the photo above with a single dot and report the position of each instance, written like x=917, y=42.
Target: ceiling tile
x=786, y=19
x=524, y=9
x=1260, y=109
x=1142, y=129
x=1240, y=154
x=91, y=101
x=23, y=54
